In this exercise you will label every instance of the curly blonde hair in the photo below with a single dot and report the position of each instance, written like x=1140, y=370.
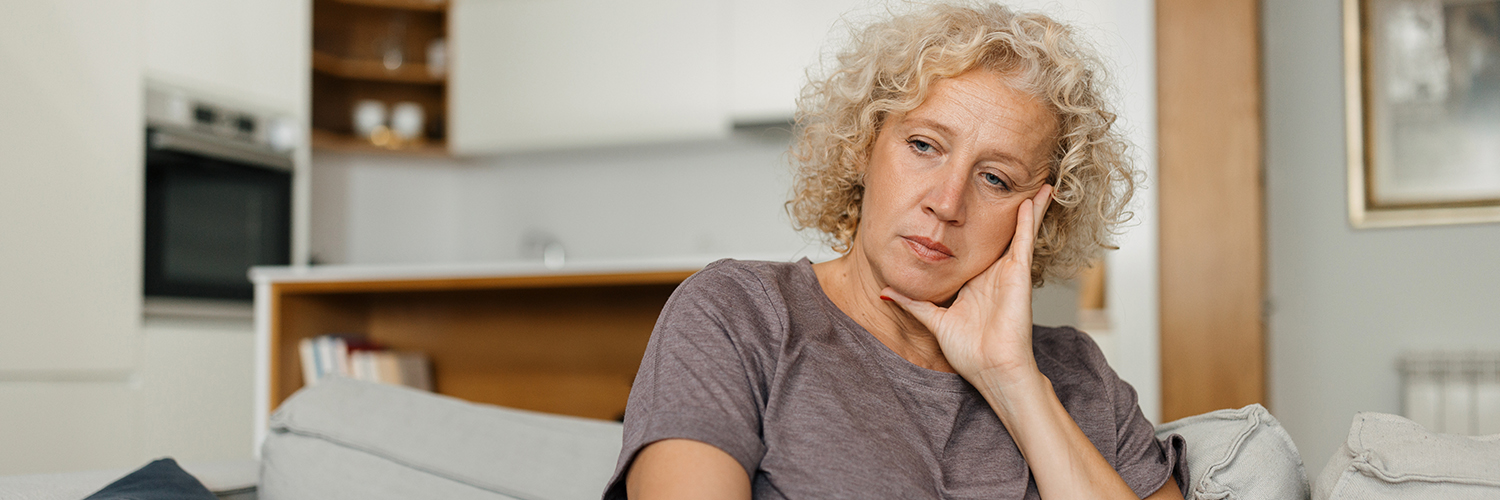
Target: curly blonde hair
x=888, y=69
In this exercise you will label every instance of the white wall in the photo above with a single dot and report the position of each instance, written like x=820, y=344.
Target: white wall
x=1345, y=302
x=702, y=198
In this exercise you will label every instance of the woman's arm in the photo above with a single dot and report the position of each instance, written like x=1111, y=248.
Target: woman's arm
x=685, y=469
x=693, y=412
x=986, y=337
x=1062, y=459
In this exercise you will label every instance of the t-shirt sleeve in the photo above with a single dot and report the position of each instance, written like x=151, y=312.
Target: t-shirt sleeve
x=704, y=373
x=1143, y=461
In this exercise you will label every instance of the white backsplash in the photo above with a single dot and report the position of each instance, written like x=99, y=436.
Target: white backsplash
x=719, y=197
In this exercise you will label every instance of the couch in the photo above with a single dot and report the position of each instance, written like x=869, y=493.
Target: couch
x=356, y=440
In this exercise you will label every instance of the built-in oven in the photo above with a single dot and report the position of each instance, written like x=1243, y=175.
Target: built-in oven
x=218, y=196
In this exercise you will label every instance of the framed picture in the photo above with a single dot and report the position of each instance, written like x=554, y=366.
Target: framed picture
x=1423, y=103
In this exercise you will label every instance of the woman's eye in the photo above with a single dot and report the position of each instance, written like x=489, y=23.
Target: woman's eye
x=992, y=179
x=920, y=146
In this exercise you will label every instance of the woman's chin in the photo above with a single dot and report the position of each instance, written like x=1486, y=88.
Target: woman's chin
x=926, y=292
x=921, y=285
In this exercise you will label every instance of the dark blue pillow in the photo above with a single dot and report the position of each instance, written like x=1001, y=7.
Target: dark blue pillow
x=159, y=480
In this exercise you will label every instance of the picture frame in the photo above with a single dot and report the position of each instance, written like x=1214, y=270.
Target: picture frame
x=1422, y=100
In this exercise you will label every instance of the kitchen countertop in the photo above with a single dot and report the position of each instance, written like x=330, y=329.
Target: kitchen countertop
x=388, y=272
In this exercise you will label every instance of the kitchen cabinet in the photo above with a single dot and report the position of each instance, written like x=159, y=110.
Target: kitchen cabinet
x=543, y=74
x=70, y=188
x=529, y=75
x=70, y=212
x=251, y=52
x=773, y=44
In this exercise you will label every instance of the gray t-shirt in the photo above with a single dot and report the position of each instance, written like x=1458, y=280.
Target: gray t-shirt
x=753, y=358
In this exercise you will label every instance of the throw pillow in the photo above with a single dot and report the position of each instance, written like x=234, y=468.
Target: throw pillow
x=1239, y=454
x=1387, y=456
x=159, y=480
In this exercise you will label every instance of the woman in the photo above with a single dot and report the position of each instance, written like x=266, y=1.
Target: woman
x=956, y=157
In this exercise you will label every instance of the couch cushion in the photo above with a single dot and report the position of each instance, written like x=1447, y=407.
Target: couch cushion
x=1239, y=454
x=57, y=486
x=348, y=439
x=1387, y=456
x=234, y=480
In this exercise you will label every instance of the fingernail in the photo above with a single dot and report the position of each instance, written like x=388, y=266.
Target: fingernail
x=882, y=297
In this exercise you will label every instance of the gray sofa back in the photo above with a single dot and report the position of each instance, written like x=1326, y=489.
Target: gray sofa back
x=347, y=439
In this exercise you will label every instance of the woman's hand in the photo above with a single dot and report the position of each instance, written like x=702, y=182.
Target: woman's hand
x=985, y=333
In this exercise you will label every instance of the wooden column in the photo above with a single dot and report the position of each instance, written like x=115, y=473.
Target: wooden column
x=1212, y=216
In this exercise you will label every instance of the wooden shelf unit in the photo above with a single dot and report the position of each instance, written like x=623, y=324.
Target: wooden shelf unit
x=427, y=5
x=373, y=69
x=350, y=40
x=334, y=141
x=566, y=344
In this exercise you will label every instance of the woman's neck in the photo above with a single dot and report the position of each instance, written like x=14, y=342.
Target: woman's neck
x=852, y=284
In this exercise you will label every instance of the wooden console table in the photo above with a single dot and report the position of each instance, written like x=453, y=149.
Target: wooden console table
x=559, y=341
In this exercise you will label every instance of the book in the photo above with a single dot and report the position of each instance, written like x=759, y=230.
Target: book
x=355, y=357
x=309, y=358
x=387, y=368
x=323, y=347
x=415, y=371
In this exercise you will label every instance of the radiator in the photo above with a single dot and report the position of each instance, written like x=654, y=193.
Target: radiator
x=1452, y=392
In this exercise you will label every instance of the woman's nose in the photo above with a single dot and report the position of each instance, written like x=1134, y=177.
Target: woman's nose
x=945, y=196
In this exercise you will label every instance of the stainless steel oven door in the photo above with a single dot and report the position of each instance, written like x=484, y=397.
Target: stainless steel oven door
x=214, y=208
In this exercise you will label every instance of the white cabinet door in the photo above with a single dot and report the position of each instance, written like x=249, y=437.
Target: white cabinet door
x=772, y=45
x=248, y=51
x=542, y=74
x=67, y=426
x=71, y=175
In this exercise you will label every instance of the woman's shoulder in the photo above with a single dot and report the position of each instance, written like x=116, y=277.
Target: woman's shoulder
x=1064, y=337
x=744, y=278
x=762, y=268
x=742, y=295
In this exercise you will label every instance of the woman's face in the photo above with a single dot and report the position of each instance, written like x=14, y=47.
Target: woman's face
x=945, y=181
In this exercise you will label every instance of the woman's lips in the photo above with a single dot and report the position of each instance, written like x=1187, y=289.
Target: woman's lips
x=928, y=249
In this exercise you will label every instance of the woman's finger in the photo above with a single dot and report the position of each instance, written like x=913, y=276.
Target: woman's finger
x=1020, y=243
x=1030, y=214
x=925, y=312
x=1039, y=205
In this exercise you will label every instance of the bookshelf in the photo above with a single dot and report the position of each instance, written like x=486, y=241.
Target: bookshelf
x=557, y=342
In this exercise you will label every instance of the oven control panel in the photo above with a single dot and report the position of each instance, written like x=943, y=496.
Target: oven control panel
x=173, y=107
